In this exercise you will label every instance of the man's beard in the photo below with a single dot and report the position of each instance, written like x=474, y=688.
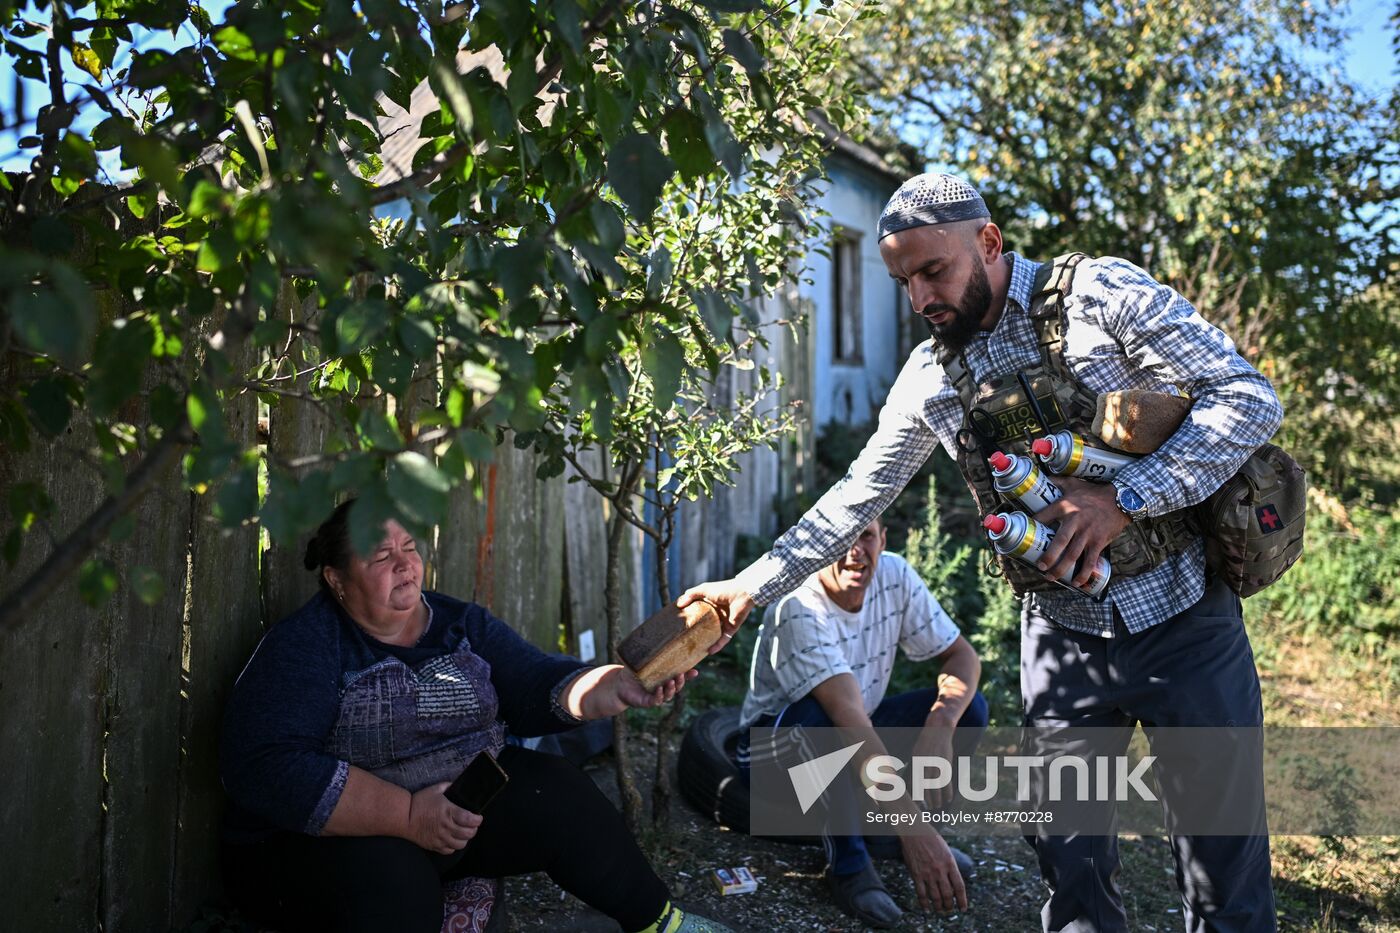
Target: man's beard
x=974, y=304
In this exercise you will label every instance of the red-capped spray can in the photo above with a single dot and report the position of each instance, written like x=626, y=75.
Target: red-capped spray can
x=1066, y=454
x=1019, y=478
x=1022, y=537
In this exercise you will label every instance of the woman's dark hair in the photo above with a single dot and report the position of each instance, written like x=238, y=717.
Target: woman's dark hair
x=330, y=545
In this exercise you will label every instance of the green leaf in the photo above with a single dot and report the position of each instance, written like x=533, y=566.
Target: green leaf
x=86, y=59
x=49, y=403
x=235, y=44
x=97, y=581
x=140, y=205
x=723, y=144
x=519, y=267
x=358, y=325
x=659, y=270
x=686, y=144
x=600, y=337
x=379, y=430
x=237, y=500
x=146, y=584
x=53, y=324
x=715, y=310
x=456, y=405
x=638, y=171
x=200, y=406
x=108, y=134
x=29, y=503
x=418, y=337
x=738, y=44
x=294, y=507
x=208, y=199
x=122, y=352
x=372, y=165
x=104, y=43
x=14, y=427
x=447, y=83
x=158, y=162
x=373, y=507
x=730, y=6
x=166, y=408
x=663, y=359
x=419, y=489
x=219, y=251
x=566, y=22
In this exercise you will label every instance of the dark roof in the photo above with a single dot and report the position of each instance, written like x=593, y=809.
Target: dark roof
x=859, y=153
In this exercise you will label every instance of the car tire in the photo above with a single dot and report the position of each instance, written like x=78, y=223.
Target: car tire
x=709, y=778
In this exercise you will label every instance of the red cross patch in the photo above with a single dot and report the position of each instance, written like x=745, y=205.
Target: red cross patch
x=1269, y=522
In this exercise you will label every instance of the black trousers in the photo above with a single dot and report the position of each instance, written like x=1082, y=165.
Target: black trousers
x=1194, y=669
x=550, y=817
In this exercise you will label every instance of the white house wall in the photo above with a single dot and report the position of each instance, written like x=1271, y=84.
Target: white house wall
x=852, y=394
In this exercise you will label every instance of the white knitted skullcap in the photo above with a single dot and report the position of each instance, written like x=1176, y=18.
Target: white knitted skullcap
x=931, y=198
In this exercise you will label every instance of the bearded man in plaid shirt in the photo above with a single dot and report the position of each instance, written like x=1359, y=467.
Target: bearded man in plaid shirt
x=1166, y=647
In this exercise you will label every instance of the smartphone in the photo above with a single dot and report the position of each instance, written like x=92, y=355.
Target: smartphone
x=478, y=783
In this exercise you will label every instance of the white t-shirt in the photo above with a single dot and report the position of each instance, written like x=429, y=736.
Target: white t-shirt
x=809, y=639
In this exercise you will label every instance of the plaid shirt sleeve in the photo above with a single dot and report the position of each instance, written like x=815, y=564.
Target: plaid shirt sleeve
x=900, y=445
x=1235, y=409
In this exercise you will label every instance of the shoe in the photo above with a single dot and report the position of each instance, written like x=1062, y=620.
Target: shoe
x=964, y=862
x=863, y=896
x=694, y=923
x=677, y=920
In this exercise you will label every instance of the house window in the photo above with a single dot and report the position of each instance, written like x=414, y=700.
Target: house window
x=845, y=296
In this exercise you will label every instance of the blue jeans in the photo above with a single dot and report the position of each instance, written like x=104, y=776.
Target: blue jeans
x=845, y=846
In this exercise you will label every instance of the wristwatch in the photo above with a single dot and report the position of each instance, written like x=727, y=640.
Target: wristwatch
x=1130, y=503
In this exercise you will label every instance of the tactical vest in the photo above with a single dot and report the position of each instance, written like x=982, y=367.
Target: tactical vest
x=1008, y=411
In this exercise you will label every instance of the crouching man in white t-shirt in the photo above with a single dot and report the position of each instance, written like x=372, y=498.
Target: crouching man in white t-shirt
x=824, y=658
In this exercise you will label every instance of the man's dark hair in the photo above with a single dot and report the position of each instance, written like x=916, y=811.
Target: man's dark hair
x=330, y=545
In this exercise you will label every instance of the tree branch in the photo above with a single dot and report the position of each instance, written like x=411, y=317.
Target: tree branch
x=58, y=102
x=617, y=496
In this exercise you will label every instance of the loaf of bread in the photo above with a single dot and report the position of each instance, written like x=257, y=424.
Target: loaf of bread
x=669, y=643
x=1138, y=421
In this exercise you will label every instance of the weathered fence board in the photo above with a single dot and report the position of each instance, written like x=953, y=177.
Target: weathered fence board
x=585, y=545
x=294, y=430
x=51, y=718
x=506, y=551
x=142, y=749
x=222, y=628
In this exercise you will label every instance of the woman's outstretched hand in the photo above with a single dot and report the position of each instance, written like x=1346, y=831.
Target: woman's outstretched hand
x=631, y=692
x=612, y=688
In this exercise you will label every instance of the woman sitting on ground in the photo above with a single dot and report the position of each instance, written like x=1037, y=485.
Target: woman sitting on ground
x=357, y=711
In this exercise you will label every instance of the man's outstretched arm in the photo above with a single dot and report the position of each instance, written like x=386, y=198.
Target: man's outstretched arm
x=894, y=453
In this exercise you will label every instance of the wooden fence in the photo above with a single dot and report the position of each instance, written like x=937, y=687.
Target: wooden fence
x=109, y=719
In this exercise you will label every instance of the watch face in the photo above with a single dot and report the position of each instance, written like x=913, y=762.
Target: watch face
x=1130, y=501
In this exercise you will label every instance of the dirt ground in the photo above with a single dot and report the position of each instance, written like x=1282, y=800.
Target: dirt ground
x=1005, y=893
x=1322, y=885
